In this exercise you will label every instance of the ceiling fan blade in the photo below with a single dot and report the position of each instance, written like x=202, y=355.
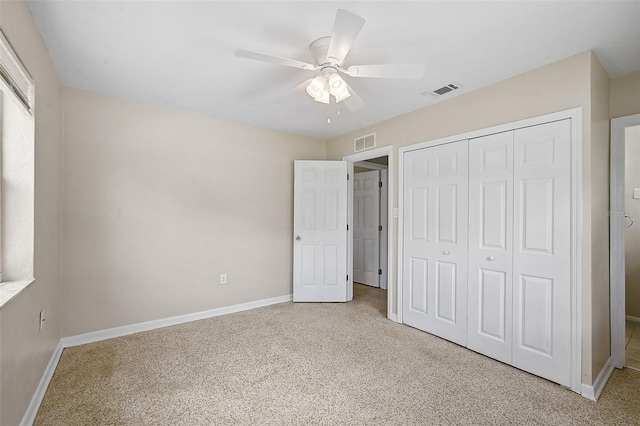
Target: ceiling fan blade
x=354, y=102
x=408, y=71
x=241, y=53
x=346, y=28
x=297, y=89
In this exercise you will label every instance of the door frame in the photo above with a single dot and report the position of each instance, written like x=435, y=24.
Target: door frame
x=384, y=219
x=378, y=172
x=575, y=114
x=351, y=159
x=616, y=233
x=385, y=247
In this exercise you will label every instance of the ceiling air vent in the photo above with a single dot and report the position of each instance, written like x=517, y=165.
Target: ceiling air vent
x=443, y=90
x=364, y=142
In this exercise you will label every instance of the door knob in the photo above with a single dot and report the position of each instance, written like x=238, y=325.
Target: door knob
x=491, y=258
x=446, y=252
x=298, y=238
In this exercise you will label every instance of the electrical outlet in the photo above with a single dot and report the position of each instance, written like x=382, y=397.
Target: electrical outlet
x=42, y=320
x=636, y=193
x=223, y=278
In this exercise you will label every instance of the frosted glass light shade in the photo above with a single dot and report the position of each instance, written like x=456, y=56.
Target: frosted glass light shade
x=335, y=82
x=342, y=95
x=315, y=89
x=323, y=98
x=338, y=87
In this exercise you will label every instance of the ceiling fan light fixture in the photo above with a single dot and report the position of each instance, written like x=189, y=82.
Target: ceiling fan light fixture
x=321, y=88
x=338, y=87
x=335, y=81
x=315, y=89
x=329, y=54
x=323, y=98
x=342, y=95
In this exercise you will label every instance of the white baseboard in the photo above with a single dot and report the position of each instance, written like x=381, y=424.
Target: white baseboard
x=32, y=410
x=593, y=392
x=110, y=333
x=96, y=336
x=633, y=319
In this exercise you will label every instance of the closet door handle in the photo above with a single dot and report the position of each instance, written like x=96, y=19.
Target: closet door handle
x=446, y=252
x=491, y=258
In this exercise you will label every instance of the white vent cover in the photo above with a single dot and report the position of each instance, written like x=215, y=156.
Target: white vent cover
x=14, y=74
x=443, y=90
x=364, y=142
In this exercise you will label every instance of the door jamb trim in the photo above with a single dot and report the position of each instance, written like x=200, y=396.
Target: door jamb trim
x=616, y=235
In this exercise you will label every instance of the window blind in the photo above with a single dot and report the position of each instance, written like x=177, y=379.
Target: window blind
x=14, y=74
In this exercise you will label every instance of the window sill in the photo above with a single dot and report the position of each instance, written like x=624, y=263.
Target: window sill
x=10, y=289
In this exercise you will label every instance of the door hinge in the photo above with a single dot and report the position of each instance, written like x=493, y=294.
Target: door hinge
x=380, y=228
x=347, y=278
x=379, y=271
x=347, y=176
x=347, y=226
x=380, y=184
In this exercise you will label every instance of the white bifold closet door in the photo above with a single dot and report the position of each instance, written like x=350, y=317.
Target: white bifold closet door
x=366, y=232
x=435, y=240
x=519, y=249
x=542, y=251
x=491, y=245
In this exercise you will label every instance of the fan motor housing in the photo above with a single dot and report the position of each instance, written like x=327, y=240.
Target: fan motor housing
x=319, y=50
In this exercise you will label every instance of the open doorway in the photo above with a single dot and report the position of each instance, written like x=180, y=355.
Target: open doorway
x=370, y=233
x=369, y=223
x=625, y=242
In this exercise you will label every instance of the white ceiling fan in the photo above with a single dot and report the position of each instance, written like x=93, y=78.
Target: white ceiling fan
x=329, y=54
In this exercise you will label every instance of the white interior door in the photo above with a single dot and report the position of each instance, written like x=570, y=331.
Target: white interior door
x=320, y=231
x=366, y=232
x=542, y=251
x=435, y=240
x=490, y=245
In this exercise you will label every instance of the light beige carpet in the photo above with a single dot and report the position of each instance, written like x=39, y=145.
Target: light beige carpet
x=311, y=364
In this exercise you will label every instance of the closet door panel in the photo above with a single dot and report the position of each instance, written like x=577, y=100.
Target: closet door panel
x=492, y=306
x=448, y=288
x=490, y=245
x=417, y=299
x=542, y=297
x=446, y=285
x=435, y=240
x=418, y=231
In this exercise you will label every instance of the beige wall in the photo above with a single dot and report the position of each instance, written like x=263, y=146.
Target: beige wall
x=558, y=86
x=24, y=351
x=632, y=234
x=158, y=203
x=600, y=147
x=625, y=95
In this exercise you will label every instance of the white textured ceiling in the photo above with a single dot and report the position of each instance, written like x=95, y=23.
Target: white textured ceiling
x=181, y=53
